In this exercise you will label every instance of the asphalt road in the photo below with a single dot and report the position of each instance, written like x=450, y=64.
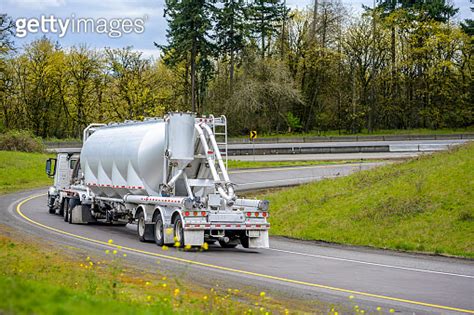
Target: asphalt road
x=296, y=270
x=289, y=176
x=327, y=156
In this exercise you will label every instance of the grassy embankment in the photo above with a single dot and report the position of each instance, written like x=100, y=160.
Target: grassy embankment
x=424, y=205
x=19, y=171
x=38, y=279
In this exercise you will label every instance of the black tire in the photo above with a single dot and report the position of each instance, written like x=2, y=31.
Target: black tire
x=66, y=210
x=61, y=207
x=179, y=231
x=227, y=245
x=51, y=209
x=159, y=231
x=141, y=226
x=244, y=240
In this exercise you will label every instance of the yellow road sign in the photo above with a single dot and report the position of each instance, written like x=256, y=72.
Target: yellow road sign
x=253, y=135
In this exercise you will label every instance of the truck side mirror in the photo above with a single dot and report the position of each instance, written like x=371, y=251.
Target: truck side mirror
x=51, y=167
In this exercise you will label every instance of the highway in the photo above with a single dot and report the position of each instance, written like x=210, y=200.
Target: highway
x=299, y=270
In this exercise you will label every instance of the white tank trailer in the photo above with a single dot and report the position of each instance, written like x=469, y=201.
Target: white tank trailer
x=167, y=175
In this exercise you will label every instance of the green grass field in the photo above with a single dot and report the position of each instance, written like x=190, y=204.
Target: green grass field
x=39, y=279
x=425, y=205
x=19, y=170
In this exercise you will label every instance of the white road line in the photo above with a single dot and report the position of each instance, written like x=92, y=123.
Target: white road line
x=374, y=264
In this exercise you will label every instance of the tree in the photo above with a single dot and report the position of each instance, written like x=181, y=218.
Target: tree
x=189, y=26
x=265, y=16
x=231, y=31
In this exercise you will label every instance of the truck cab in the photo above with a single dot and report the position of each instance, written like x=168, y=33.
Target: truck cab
x=61, y=169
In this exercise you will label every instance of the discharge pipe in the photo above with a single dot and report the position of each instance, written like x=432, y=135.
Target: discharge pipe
x=229, y=196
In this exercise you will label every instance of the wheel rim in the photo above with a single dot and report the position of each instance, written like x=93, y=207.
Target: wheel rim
x=141, y=226
x=158, y=228
x=177, y=230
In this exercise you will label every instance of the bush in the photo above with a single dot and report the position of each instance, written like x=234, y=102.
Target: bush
x=21, y=140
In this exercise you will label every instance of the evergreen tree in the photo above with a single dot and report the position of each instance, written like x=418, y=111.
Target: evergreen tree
x=189, y=39
x=266, y=17
x=231, y=31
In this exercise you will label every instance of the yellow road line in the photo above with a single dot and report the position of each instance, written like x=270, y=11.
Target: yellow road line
x=249, y=273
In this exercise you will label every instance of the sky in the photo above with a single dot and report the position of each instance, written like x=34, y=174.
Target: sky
x=150, y=13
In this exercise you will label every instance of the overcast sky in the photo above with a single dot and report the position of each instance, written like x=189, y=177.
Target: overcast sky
x=152, y=11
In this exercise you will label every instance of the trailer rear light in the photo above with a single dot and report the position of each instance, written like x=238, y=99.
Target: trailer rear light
x=195, y=213
x=256, y=214
x=264, y=214
x=186, y=214
x=249, y=214
x=203, y=213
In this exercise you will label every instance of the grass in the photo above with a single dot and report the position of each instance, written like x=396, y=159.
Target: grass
x=383, y=132
x=20, y=171
x=237, y=164
x=37, y=279
x=423, y=205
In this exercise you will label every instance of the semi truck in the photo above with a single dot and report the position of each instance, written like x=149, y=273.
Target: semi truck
x=166, y=175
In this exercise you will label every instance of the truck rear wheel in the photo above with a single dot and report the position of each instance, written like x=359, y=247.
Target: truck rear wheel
x=66, y=210
x=141, y=226
x=179, y=231
x=159, y=237
x=61, y=207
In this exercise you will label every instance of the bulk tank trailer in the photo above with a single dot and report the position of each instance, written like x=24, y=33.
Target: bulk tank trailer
x=167, y=175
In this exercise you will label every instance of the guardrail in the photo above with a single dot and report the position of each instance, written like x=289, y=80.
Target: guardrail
x=463, y=136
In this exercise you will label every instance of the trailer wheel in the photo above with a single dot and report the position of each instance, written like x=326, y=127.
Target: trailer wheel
x=244, y=240
x=66, y=210
x=179, y=231
x=141, y=226
x=159, y=237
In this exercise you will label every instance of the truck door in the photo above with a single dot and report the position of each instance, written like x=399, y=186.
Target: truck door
x=63, y=171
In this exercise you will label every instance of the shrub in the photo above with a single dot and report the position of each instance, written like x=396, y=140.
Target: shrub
x=21, y=140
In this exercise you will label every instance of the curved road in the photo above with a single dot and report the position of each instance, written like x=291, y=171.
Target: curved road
x=296, y=270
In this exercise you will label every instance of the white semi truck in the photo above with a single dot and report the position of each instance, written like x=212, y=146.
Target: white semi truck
x=166, y=174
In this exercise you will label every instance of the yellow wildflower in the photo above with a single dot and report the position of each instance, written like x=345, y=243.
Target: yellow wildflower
x=262, y=294
x=176, y=292
x=110, y=241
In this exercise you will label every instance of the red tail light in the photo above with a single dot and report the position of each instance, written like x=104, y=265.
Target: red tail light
x=186, y=214
x=195, y=213
x=249, y=214
x=256, y=214
x=264, y=214
x=203, y=213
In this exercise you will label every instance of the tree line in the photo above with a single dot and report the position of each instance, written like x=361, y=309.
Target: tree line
x=403, y=64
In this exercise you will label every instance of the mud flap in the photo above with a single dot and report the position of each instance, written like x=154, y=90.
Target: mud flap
x=260, y=241
x=149, y=232
x=81, y=214
x=193, y=238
